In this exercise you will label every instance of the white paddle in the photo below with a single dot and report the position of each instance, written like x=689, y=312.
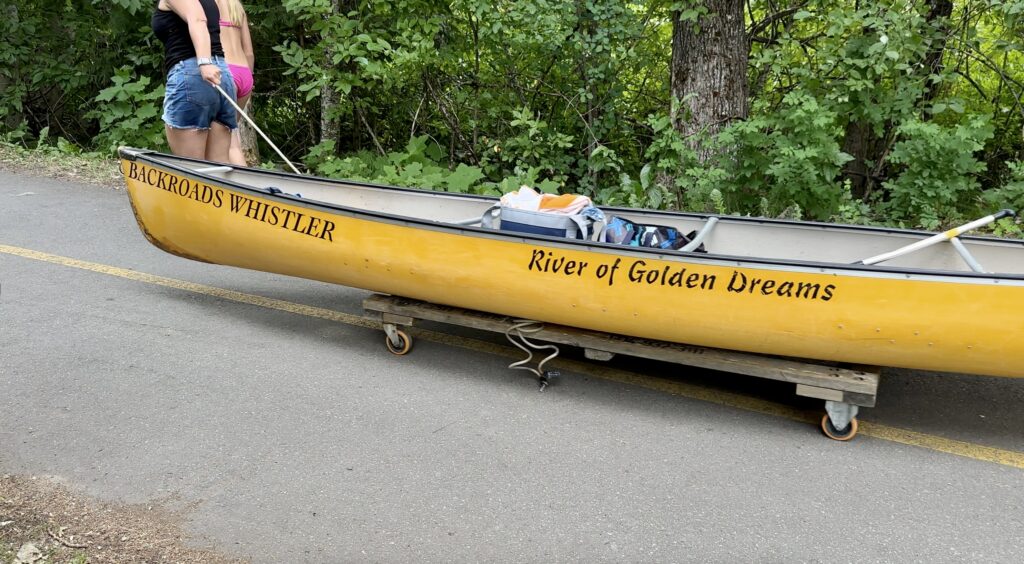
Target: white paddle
x=256, y=127
x=938, y=238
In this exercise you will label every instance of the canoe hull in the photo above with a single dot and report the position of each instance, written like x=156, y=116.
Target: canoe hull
x=858, y=316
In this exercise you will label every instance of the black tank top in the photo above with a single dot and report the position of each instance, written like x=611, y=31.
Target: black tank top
x=173, y=31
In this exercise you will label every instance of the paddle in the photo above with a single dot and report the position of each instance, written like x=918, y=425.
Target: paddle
x=938, y=238
x=256, y=127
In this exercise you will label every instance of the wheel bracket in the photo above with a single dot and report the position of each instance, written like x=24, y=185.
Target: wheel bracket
x=392, y=332
x=841, y=413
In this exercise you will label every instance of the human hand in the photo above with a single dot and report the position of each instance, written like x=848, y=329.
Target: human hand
x=210, y=73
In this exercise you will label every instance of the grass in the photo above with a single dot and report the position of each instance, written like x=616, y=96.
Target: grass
x=54, y=162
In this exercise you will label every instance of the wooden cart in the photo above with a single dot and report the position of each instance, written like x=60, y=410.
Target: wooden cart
x=844, y=388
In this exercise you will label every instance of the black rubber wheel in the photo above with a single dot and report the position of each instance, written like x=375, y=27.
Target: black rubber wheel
x=836, y=434
x=404, y=343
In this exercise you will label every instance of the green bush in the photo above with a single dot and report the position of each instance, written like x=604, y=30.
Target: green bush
x=937, y=171
x=129, y=113
x=789, y=157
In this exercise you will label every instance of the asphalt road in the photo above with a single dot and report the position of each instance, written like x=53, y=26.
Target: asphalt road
x=292, y=437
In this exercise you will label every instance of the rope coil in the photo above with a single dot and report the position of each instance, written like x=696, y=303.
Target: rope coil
x=517, y=335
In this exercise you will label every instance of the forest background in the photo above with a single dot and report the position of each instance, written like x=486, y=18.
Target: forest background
x=904, y=113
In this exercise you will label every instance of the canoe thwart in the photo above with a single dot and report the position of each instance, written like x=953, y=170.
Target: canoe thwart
x=699, y=237
x=476, y=220
x=966, y=255
x=209, y=169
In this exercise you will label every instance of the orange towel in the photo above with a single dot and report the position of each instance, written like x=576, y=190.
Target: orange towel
x=549, y=201
x=527, y=198
x=568, y=204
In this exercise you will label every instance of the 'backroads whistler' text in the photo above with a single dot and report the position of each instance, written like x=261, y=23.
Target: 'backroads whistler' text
x=303, y=223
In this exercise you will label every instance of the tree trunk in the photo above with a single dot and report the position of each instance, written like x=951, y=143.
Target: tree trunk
x=13, y=119
x=250, y=148
x=587, y=28
x=709, y=71
x=330, y=129
x=867, y=148
x=939, y=12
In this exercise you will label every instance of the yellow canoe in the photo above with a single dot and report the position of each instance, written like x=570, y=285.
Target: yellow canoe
x=764, y=286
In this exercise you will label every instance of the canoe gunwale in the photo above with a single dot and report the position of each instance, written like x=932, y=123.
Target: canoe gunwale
x=881, y=271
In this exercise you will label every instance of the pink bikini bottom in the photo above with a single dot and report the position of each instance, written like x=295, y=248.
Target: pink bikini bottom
x=243, y=79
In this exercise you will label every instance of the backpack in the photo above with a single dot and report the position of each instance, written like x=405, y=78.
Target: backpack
x=622, y=231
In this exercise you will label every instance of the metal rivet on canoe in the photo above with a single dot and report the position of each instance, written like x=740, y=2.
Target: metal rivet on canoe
x=840, y=326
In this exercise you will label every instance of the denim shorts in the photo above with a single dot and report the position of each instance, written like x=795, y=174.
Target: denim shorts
x=192, y=103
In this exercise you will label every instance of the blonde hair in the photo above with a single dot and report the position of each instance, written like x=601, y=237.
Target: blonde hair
x=235, y=12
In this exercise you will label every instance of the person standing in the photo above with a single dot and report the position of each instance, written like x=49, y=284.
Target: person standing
x=197, y=119
x=238, y=51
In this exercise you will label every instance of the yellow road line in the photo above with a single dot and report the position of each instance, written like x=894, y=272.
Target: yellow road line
x=877, y=430
x=232, y=295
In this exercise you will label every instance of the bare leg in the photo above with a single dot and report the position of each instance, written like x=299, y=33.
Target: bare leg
x=218, y=143
x=235, y=154
x=187, y=142
x=243, y=102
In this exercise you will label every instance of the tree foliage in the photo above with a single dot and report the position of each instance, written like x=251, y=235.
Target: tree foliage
x=903, y=112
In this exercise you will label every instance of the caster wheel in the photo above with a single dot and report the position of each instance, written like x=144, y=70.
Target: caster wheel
x=404, y=343
x=836, y=434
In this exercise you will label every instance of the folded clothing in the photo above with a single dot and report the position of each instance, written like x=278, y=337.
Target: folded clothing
x=527, y=198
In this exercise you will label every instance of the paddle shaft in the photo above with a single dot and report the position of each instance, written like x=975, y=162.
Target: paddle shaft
x=938, y=238
x=256, y=127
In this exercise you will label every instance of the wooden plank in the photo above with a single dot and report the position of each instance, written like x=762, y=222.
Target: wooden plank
x=858, y=384
x=396, y=319
x=594, y=354
x=820, y=393
x=863, y=400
